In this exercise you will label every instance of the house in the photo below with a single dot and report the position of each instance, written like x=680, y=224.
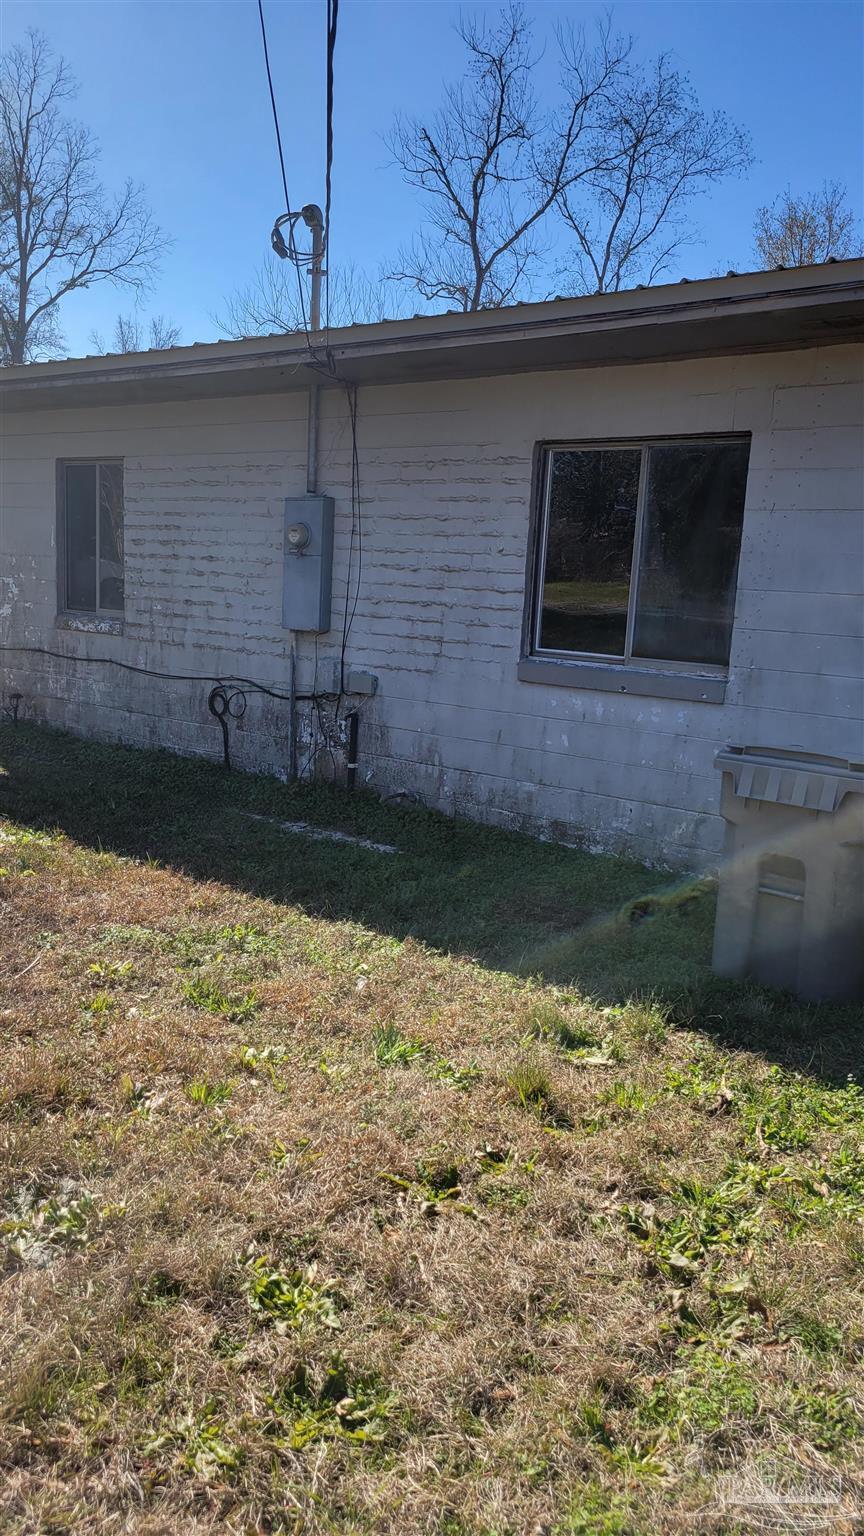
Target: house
x=533, y=565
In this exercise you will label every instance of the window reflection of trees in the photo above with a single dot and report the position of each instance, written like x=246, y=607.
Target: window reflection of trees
x=592, y=515
x=688, y=550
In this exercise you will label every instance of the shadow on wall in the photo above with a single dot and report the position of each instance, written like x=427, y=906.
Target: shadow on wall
x=608, y=927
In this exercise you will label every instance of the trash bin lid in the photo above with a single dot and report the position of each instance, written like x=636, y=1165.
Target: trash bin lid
x=802, y=779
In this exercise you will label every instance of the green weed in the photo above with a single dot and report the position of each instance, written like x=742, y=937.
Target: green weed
x=110, y=970
x=291, y=1298
x=502, y=1195
x=202, y=1092
x=205, y=994
x=100, y=1004
x=634, y=1457
x=787, y=1113
x=137, y=1095
x=264, y=1061
x=704, y=1219
x=454, y=1076
x=38, y=1226
x=435, y=1183
x=546, y=1021
x=832, y=1419
x=779, y=1111
x=814, y=1335
x=646, y=1023
x=196, y=946
x=629, y=1098
x=136, y=934
x=529, y=1084
x=355, y=1408
x=597, y=1512
x=707, y=1395
x=206, y=1448
x=393, y=1049
x=246, y=939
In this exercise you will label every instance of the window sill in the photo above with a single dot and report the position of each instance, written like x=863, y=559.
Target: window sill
x=89, y=623
x=607, y=677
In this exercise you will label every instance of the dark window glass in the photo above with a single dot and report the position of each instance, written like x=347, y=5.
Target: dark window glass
x=93, y=532
x=694, y=507
x=111, y=536
x=81, y=536
x=589, y=549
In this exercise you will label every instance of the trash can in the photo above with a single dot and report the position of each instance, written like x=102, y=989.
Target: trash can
x=790, y=907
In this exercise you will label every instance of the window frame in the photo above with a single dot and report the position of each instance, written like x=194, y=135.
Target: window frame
x=544, y=664
x=103, y=616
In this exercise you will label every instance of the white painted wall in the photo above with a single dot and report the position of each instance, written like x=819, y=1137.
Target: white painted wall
x=446, y=483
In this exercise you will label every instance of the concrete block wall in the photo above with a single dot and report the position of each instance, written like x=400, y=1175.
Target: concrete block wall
x=446, y=488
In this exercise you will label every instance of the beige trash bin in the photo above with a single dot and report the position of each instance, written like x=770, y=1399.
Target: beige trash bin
x=790, y=907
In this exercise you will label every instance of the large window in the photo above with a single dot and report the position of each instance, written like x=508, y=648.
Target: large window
x=91, y=537
x=638, y=551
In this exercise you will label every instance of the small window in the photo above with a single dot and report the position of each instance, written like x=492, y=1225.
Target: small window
x=91, y=537
x=638, y=552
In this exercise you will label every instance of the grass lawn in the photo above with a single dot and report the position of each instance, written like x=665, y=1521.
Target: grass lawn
x=437, y=1191
x=578, y=595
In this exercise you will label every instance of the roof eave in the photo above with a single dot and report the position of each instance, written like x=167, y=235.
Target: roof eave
x=655, y=325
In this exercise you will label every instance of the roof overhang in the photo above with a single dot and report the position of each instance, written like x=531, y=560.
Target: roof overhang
x=757, y=312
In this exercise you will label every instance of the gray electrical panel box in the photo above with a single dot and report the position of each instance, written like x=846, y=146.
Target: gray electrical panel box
x=307, y=563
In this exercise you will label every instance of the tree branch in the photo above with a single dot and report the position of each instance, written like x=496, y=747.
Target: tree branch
x=58, y=230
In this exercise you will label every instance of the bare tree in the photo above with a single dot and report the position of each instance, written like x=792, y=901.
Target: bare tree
x=492, y=164
x=618, y=160
x=130, y=335
x=797, y=231
x=162, y=334
x=59, y=231
x=653, y=149
x=270, y=303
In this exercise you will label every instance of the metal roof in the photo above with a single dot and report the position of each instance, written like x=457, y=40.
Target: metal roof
x=762, y=311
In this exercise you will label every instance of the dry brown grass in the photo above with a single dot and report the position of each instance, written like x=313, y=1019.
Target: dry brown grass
x=537, y=1349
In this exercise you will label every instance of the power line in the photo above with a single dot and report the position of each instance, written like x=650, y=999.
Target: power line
x=332, y=25
x=327, y=367
x=273, y=103
x=292, y=247
x=356, y=536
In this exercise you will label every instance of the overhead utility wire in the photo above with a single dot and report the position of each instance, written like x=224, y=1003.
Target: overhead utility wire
x=356, y=537
x=273, y=103
x=332, y=25
x=294, y=254
x=231, y=680
x=327, y=367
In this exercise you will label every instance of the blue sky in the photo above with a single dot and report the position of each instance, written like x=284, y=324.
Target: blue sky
x=176, y=94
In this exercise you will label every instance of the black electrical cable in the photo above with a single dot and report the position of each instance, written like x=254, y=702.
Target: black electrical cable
x=226, y=699
x=273, y=103
x=355, y=458
x=293, y=249
x=329, y=366
x=172, y=677
x=356, y=535
x=221, y=682
x=332, y=25
x=350, y=390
